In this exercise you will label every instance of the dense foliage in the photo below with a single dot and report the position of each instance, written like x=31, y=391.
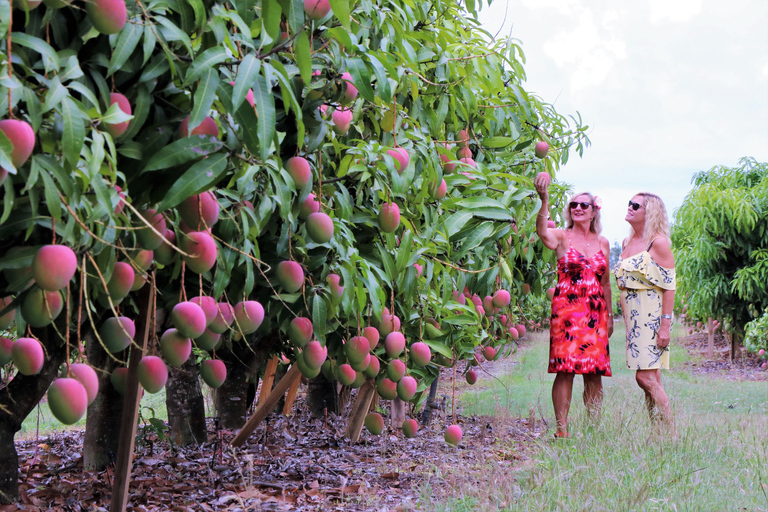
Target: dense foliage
x=720, y=238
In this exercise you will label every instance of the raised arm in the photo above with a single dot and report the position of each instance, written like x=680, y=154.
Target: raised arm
x=548, y=236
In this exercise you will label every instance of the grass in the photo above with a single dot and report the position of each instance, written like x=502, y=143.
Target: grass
x=719, y=462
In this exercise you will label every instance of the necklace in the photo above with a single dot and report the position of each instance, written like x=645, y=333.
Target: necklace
x=585, y=240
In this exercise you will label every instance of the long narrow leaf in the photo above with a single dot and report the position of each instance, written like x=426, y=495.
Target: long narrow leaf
x=195, y=180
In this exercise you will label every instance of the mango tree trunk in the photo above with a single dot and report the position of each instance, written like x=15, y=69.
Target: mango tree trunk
x=185, y=405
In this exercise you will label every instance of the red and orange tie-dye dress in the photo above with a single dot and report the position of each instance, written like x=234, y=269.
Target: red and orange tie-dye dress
x=578, y=340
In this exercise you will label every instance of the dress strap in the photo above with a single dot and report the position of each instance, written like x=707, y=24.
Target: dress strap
x=651, y=244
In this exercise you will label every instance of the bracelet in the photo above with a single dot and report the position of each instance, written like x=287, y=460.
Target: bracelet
x=668, y=317
x=540, y=215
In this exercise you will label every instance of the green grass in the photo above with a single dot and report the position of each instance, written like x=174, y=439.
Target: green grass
x=719, y=462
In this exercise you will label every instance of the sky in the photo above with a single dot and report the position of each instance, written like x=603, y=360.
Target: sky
x=668, y=88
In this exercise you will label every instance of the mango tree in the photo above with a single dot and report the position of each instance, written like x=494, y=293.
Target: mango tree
x=333, y=183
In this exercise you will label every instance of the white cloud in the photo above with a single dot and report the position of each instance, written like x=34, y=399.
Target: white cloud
x=678, y=11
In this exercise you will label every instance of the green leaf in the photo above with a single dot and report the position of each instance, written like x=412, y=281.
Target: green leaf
x=6, y=148
x=73, y=136
x=476, y=237
x=341, y=11
x=270, y=17
x=115, y=115
x=456, y=221
x=319, y=317
x=182, y=151
x=174, y=33
x=497, y=142
x=55, y=94
x=387, y=263
x=204, y=62
x=382, y=80
x=195, y=180
x=361, y=77
x=438, y=347
x=295, y=15
x=203, y=99
x=86, y=93
x=246, y=75
x=265, y=109
x=127, y=40
x=52, y=199
x=5, y=17
x=47, y=53
x=303, y=56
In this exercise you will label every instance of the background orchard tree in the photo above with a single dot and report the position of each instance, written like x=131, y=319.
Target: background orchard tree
x=329, y=164
x=720, y=238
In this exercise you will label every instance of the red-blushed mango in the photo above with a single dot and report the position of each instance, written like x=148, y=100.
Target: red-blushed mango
x=309, y=372
x=458, y=297
x=389, y=217
x=210, y=308
x=387, y=389
x=489, y=353
x=320, y=227
x=225, y=315
x=374, y=366
x=202, y=251
x=300, y=331
x=350, y=93
x=139, y=280
x=189, y=319
x=359, y=380
x=117, y=333
x=309, y=206
x=121, y=202
x=501, y=299
x=480, y=310
x=520, y=329
x=191, y=208
x=410, y=427
x=551, y=293
x=27, y=356
x=248, y=316
x=315, y=354
x=372, y=335
x=207, y=128
x=213, y=372
x=121, y=281
x=290, y=275
x=374, y=423
x=396, y=370
x=438, y=192
x=471, y=377
x=40, y=308
x=551, y=224
x=119, y=379
x=449, y=164
x=153, y=374
x=54, y=266
x=513, y=333
x=418, y=268
x=86, y=375
x=26, y=5
x=346, y=374
x=208, y=340
x=248, y=95
x=6, y=345
x=7, y=319
x=3, y=175
x=317, y=9
x=342, y=118
x=471, y=163
x=453, y=435
x=420, y=354
x=389, y=324
x=299, y=169
x=67, y=400
x=175, y=347
x=544, y=177
x=165, y=254
x=142, y=259
x=541, y=149
x=394, y=344
x=488, y=303
x=402, y=158
x=406, y=388
x=337, y=290
x=22, y=139
x=356, y=349
x=146, y=237
x=526, y=288
x=107, y=16
x=464, y=153
x=462, y=138
x=117, y=129
x=362, y=366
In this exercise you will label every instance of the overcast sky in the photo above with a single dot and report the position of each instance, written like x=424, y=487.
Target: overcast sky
x=667, y=87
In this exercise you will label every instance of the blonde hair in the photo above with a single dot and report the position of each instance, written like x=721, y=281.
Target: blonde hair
x=595, y=226
x=656, y=218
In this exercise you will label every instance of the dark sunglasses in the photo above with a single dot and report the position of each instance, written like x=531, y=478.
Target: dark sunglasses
x=574, y=204
x=635, y=206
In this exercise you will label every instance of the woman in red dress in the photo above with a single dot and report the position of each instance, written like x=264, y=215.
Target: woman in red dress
x=582, y=320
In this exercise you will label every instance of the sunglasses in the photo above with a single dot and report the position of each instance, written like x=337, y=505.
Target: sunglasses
x=635, y=206
x=574, y=204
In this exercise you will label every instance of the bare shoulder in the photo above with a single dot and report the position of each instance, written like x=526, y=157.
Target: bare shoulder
x=661, y=251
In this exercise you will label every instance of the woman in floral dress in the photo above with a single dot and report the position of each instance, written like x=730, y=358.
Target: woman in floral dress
x=582, y=320
x=645, y=274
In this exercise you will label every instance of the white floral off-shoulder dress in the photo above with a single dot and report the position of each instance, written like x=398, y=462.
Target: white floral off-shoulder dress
x=642, y=281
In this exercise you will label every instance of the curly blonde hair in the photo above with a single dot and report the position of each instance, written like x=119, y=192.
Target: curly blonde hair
x=595, y=226
x=656, y=218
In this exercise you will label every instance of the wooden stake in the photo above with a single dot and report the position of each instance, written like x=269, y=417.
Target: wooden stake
x=360, y=410
x=291, y=397
x=269, y=379
x=269, y=403
x=130, y=418
x=711, y=339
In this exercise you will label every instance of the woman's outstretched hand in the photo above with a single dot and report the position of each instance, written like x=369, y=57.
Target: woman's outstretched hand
x=541, y=182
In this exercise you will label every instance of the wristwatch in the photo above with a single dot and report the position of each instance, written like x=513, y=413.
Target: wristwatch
x=668, y=317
